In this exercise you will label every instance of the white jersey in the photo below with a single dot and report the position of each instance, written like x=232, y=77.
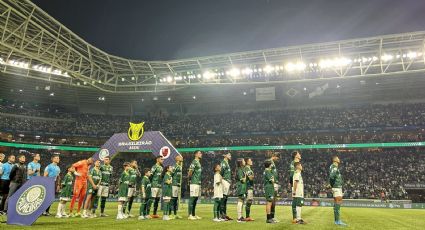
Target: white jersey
x=218, y=186
x=300, y=185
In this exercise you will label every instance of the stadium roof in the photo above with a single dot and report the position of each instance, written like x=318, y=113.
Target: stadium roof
x=35, y=45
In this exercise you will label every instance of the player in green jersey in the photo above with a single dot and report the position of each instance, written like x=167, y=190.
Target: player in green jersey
x=176, y=186
x=167, y=191
x=123, y=190
x=240, y=187
x=145, y=195
x=275, y=158
x=94, y=182
x=66, y=192
x=194, y=175
x=250, y=188
x=218, y=193
x=156, y=180
x=296, y=157
x=335, y=182
x=226, y=173
x=106, y=170
x=134, y=175
x=269, y=191
x=298, y=192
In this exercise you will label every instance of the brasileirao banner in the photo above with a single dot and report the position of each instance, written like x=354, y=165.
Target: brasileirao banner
x=136, y=140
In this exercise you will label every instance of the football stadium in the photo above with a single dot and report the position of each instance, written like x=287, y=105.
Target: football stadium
x=217, y=130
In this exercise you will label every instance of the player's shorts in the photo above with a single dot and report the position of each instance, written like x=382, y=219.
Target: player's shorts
x=337, y=192
x=91, y=191
x=269, y=193
x=250, y=194
x=65, y=198
x=175, y=190
x=80, y=188
x=156, y=192
x=276, y=187
x=299, y=201
x=195, y=190
x=122, y=199
x=226, y=187
x=103, y=191
x=131, y=192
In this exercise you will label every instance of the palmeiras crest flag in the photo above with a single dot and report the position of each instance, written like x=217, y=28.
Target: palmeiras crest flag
x=30, y=201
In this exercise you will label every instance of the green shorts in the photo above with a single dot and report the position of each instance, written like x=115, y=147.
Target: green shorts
x=299, y=201
x=269, y=193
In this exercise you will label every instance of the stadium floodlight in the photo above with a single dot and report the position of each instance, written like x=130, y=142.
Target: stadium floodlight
x=178, y=78
x=194, y=97
x=169, y=99
x=122, y=79
x=52, y=94
x=234, y=72
x=412, y=55
x=1, y=61
x=268, y=69
x=244, y=93
x=247, y=71
x=169, y=79
x=133, y=78
x=207, y=75
x=387, y=57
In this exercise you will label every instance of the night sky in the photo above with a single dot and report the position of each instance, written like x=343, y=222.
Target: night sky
x=173, y=29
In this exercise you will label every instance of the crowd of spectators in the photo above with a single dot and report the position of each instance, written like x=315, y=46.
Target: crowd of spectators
x=368, y=123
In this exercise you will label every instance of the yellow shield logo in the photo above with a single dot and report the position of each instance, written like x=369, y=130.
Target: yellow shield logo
x=135, y=131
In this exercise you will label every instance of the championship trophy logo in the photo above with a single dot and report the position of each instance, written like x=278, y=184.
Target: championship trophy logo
x=135, y=131
x=31, y=200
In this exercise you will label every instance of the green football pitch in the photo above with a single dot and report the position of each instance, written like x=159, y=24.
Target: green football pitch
x=317, y=218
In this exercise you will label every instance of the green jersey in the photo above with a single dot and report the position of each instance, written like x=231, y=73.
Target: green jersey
x=177, y=175
x=67, y=188
x=123, y=184
x=166, y=188
x=196, y=169
x=249, y=182
x=146, y=185
x=335, y=178
x=133, y=176
x=95, y=176
x=241, y=182
x=156, y=176
x=225, y=171
x=274, y=171
x=106, y=171
x=268, y=182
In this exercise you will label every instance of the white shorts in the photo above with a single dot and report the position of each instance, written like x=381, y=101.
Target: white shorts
x=103, y=191
x=156, y=192
x=250, y=194
x=122, y=199
x=175, y=191
x=195, y=190
x=337, y=192
x=167, y=198
x=276, y=187
x=65, y=199
x=131, y=192
x=226, y=187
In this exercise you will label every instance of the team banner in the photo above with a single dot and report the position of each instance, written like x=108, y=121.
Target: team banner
x=136, y=140
x=30, y=201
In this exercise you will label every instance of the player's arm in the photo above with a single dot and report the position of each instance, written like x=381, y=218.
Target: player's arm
x=332, y=176
x=90, y=178
x=46, y=171
x=13, y=172
x=294, y=187
x=168, y=181
x=30, y=171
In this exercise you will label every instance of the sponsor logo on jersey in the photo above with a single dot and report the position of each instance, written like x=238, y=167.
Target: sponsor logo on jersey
x=31, y=200
x=135, y=131
x=165, y=152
